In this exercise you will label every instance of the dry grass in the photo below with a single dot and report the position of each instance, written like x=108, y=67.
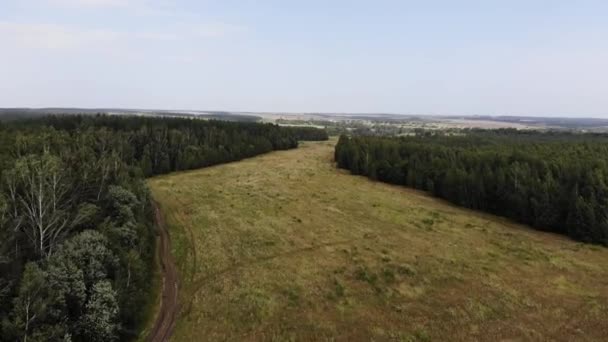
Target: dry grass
x=284, y=247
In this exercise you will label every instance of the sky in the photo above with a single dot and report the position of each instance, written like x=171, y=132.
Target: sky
x=484, y=57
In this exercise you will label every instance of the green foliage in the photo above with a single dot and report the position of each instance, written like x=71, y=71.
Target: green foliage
x=38, y=186
x=87, y=216
x=100, y=322
x=3, y=209
x=86, y=255
x=34, y=316
x=553, y=181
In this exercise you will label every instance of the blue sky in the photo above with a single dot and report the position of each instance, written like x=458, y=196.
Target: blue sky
x=419, y=57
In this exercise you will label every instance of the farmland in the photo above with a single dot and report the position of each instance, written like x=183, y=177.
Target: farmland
x=287, y=247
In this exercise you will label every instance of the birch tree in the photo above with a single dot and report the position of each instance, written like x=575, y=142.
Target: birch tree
x=39, y=193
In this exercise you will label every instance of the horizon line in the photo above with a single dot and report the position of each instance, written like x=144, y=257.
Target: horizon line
x=184, y=111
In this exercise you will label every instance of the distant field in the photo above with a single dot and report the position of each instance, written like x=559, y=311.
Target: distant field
x=285, y=247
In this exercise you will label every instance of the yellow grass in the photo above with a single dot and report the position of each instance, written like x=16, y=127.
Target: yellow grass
x=284, y=247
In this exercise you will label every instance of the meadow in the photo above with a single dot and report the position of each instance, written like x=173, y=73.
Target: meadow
x=286, y=247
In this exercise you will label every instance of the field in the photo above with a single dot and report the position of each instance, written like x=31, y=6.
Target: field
x=285, y=247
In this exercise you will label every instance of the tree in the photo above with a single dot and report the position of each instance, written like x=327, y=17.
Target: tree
x=33, y=317
x=39, y=189
x=74, y=272
x=85, y=258
x=100, y=322
x=5, y=241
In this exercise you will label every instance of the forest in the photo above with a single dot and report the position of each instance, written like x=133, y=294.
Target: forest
x=553, y=181
x=77, y=236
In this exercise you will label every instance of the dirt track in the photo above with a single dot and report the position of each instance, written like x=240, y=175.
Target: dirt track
x=169, y=307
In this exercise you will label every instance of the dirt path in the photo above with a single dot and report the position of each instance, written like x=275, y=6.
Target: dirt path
x=169, y=307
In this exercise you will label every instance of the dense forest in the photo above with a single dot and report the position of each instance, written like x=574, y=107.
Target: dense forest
x=553, y=181
x=76, y=224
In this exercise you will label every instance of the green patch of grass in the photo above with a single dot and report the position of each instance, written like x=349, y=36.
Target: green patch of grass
x=422, y=335
x=338, y=290
x=253, y=306
x=405, y=269
x=482, y=312
x=364, y=274
x=293, y=295
x=428, y=221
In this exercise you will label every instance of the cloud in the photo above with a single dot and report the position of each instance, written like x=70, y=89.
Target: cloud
x=20, y=36
x=147, y=36
x=155, y=8
x=95, y=3
x=50, y=36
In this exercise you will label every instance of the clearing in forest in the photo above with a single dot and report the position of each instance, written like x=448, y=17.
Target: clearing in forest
x=286, y=247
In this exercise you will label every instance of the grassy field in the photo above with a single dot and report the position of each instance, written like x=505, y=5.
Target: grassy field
x=285, y=247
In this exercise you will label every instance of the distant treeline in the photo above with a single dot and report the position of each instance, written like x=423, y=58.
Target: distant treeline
x=308, y=133
x=10, y=114
x=553, y=181
x=76, y=224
